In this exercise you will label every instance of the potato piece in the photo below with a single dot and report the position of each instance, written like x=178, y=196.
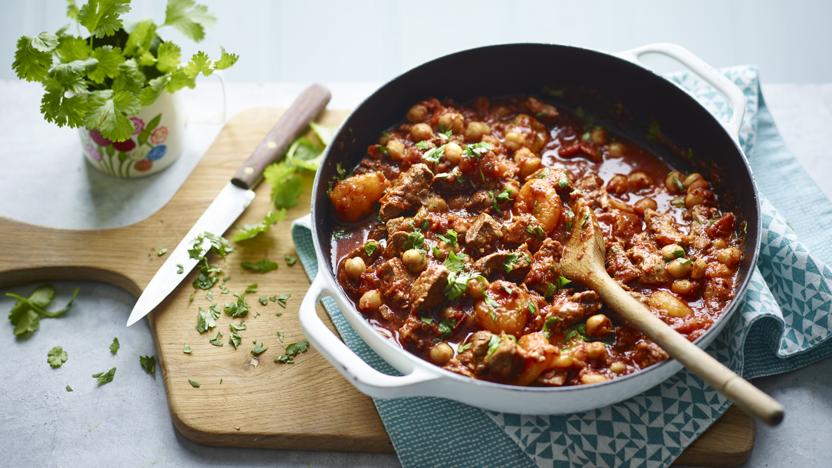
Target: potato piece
x=668, y=303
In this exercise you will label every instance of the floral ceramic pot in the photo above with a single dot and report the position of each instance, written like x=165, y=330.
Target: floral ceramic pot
x=157, y=141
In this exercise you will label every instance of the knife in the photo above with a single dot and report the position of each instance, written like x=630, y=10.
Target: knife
x=233, y=199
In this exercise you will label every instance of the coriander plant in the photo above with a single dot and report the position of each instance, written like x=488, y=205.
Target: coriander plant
x=105, y=72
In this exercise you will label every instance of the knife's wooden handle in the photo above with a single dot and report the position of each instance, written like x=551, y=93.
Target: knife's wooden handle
x=291, y=124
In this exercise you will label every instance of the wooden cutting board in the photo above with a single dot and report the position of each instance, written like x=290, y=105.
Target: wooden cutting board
x=243, y=401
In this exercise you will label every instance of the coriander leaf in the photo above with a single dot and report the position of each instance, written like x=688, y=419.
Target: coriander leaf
x=56, y=357
x=238, y=308
x=414, y=240
x=187, y=349
x=250, y=231
x=234, y=340
x=576, y=332
x=193, y=383
x=102, y=17
x=285, y=184
x=493, y=344
x=462, y=348
x=105, y=377
x=29, y=63
x=291, y=260
x=226, y=60
x=217, y=339
x=450, y=237
x=282, y=299
x=45, y=42
x=280, y=336
x=434, y=155
x=207, y=319
x=476, y=150
x=264, y=300
x=153, y=90
x=68, y=388
x=455, y=262
x=260, y=266
x=199, y=63
x=114, y=346
x=167, y=57
x=446, y=328
x=109, y=58
x=73, y=48
x=370, y=247
x=148, y=363
x=457, y=284
x=189, y=18
x=250, y=289
x=26, y=313
x=547, y=326
x=323, y=133
x=140, y=38
x=292, y=351
x=108, y=113
x=237, y=327
x=161, y=252
x=305, y=154
x=258, y=349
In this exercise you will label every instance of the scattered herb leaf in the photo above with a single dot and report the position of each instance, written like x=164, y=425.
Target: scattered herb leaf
x=114, y=346
x=148, y=363
x=260, y=266
x=105, y=377
x=56, y=357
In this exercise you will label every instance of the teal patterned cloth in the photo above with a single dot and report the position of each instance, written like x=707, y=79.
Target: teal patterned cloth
x=782, y=324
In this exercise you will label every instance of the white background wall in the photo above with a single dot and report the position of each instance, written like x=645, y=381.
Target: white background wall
x=372, y=40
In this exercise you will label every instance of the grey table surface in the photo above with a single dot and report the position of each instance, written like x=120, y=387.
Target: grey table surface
x=126, y=423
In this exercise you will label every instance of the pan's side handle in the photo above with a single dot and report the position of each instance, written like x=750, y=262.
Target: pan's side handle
x=735, y=97
x=357, y=372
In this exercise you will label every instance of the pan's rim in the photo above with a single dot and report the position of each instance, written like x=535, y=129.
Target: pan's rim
x=703, y=341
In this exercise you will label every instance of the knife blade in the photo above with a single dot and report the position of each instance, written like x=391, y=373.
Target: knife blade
x=233, y=199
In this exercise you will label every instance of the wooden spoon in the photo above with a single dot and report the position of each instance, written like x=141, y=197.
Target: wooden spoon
x=583, y=261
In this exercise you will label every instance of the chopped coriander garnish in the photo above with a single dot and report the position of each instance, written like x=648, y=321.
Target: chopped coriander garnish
x=292, y=351
x=446, y=328
x=290, y=260
x=475, y=150
x=576, y=332
x=280, y=336
x=187, y=349
x=462, y=348
x=563, y=182
x=547, y=326
x=434, y=154
x=217, y=339
x=455, y=261
x=427, y=320
x=282, y=299
x=56, y=357
x=493, y=344
x=563, y=282
x=258, y=349
x=161, y=252
x=180, y=269
x=216, y=244
x=193, y=383
x=207, y=319
x=263, y=300
x=422, y=145
x=490, y=301
x=536, y=231
x=250, y=288
x=458, y=283
x=511, y=263
x=414, y=240
x=532, y=307
x=68, y=388
x=446, y=135
x=235, y=339
x=370, y=248
x=260, y=266
x=114, y=346
x=450, y=237
x=105, y=377
x=550, y=290
x=148, y=363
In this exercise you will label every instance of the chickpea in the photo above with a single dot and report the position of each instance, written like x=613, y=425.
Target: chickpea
x=645, y=204
x=673, y=182
x=598, y=325
x=598, y=135
x=698, y=269
x=453, y=152
x=618, y=367
x=395, y=149
x=441, y=353
x=729, y=257
x=417, y=113
x=354, y=267
x=638, y=180
x=694, y=197
x=452, y=121
x=475, y=131
x=719, y=243
x=596, y=350
x=671, y=251
x=698, y=184
x=689, y=180
x=563, y=360
x=513, y=141
x=617, y=184
x=588, y=379
x=370, y=301
x=683, y=287
x=415, y=260
x=679, y=268
x=421, y=131
x=616, y=149
x=476, y=287
x=436, y=205
x=527, y=162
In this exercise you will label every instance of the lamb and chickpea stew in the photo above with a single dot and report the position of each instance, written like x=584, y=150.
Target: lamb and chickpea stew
x=457, y=220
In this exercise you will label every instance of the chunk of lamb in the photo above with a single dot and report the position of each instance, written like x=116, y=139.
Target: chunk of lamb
x=395, y=283
x=502, y=363
x=664, y=228
x=572, y=308
x=524, y=228
x=649, y=260
x=428, y=290
x=618, y=265
x=407, y=192
x=510, y=264
x=483, y=234
x=545, y=269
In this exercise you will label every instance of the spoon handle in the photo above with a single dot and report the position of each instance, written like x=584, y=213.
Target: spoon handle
x=740, y=391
